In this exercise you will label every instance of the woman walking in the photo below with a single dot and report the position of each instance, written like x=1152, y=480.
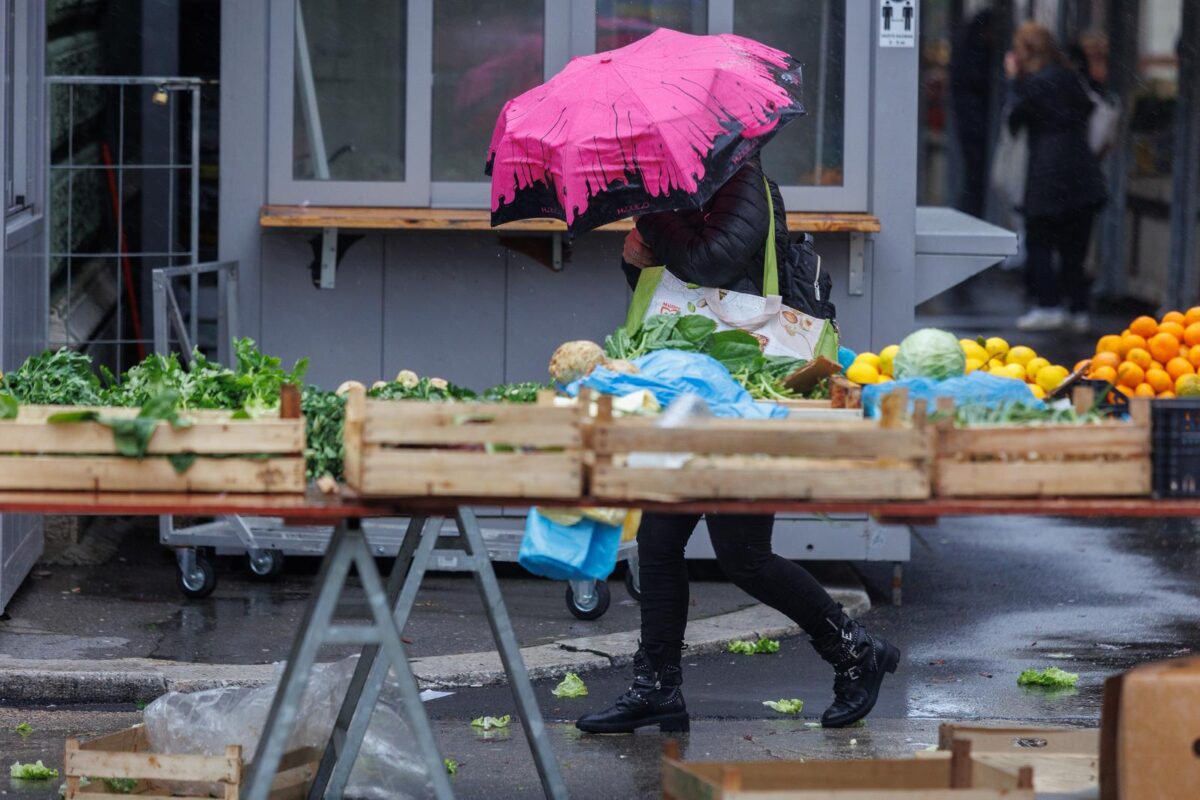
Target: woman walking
x=1064, y=187
x=722, y=246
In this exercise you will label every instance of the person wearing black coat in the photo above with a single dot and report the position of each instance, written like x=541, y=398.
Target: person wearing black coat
x=721, y=246
x=1064, y=187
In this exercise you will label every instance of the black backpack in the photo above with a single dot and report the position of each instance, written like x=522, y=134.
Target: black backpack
x=804, y=285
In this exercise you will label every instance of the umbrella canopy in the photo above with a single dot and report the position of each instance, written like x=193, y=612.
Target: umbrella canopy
x=656, y=125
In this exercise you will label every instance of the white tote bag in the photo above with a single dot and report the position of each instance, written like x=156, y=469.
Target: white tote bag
x=1010, y=164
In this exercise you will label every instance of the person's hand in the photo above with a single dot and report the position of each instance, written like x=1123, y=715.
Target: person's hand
x=636, y=252
x=1011, y=68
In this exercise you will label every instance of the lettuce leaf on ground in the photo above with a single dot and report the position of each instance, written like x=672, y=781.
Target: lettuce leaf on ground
x=570, y=687
x=793, y=706
x=746, y=647
x=488, y=723
x=1053, y=677
x=32, y=772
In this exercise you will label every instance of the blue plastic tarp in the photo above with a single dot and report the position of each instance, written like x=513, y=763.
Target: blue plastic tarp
x=978, y=388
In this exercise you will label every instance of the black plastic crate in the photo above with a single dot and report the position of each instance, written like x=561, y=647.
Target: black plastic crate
x=1117, y=406
x=1175, y=447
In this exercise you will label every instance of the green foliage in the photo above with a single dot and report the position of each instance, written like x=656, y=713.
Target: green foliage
x=32, y=772
x=56, y=377
x=746, y=647
x=793, y=706
x=422, y=389
x=1052, y=677
x=526, y=392
x=324, y=418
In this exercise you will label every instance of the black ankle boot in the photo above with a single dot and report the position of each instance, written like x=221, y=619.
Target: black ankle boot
x=655, y=698
x=860, y=662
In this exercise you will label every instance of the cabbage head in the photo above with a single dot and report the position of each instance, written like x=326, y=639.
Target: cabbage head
x=930, y=353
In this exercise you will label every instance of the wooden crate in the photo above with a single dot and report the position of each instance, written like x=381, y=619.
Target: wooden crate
x=1064, y=760
x=956, y=778
x=407, y=448
x=738, y=459
x=263, y=455
x=1105, y=459
x=161, y=776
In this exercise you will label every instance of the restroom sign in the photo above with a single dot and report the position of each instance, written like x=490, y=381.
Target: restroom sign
x=898, y=23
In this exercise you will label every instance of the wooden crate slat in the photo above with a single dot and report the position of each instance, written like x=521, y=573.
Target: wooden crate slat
x=797, y=479
x=161, y=766
x=1120, y=440
x=116, y=473
x=130, y=739
x=214, y=437
x=1095, y=478
x=767, y=437
x=407, y=473
x=33, y=413
x=405, y=422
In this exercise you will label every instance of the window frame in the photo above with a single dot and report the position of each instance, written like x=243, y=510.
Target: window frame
x=569, y=30
x=17, y=132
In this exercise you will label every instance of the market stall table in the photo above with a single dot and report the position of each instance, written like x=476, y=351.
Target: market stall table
x=391, y=603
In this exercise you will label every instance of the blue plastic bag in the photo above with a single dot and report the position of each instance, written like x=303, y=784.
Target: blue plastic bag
x=586, y=550
x=846, y=357
x=669, y=373
x=978, y=388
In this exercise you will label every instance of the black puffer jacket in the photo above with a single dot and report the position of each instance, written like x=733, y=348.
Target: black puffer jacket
x=721, y=245
x=1063, y=173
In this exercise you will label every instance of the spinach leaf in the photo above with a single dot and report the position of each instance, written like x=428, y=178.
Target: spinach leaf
x=737, y=350
x=695, y=328
x=9, y=407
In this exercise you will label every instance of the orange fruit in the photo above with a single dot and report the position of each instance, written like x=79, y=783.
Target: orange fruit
x=1173, y=328
x=1159, y=380
x=1191, y=334
x=1125, y=332
x=1192, y=315
x=1131, y=341
x=1173, y=316
x=1144, y=390
x=1194, y=356
x=1105, y=373
x=1163, y=346
x=1184, y=350
x=1125, y=390
x=1178, y=367
x=1140, y=357
x=1144, y=327
x=1106, y=359
x=1157, y=365
x=1109, y=344
x=1130, y=374
x=1167, y=395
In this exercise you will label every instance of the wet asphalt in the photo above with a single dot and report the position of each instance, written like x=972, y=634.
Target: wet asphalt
x=983, y=600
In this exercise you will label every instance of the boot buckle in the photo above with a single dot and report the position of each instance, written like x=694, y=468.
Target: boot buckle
x=854, y=673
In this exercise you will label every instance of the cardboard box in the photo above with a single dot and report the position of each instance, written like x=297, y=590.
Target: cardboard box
x=1150, y=733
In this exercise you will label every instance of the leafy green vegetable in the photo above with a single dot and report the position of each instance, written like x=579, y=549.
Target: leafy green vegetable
x=930, y=353
x=489, y=723
x=451, y=765
x=792, y=706
x=121, y=785
x=324, y=417
x=9, y=407
x=526, y=392
x=747, y=647
x=423, y=389
x=1052, y=677
x=132, y=435
x=56, y=377
x=737, y=350
x=32, y=772
x=24, y=729
x=570, y=687
x=1020, y=414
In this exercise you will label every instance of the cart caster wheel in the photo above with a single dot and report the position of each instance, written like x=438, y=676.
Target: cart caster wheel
x=631, y=585
x=595, y=608
x=267, y=566
x=199, y=583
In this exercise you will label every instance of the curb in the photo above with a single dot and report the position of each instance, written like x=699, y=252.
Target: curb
x=133, y=680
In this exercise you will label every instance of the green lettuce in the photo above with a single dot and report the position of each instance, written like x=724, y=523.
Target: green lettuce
x=746, y=647
x=793, y=706
x=488, y=723
x=930, y=353
x=1053, y=677
x=572, y=686
x=32, y=772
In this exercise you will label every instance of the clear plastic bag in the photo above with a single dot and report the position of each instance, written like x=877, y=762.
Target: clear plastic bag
x=204, y=723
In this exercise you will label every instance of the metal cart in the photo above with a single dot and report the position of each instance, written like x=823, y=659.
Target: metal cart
x=266, y=541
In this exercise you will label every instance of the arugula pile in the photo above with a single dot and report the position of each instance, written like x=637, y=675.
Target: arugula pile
x=56, y=377
x=738, y=351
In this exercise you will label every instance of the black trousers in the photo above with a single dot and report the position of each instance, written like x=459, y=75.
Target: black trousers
x=742, y=544
x=1068, y=235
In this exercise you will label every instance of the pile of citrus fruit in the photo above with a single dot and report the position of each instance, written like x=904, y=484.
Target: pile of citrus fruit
x=1152, y=358
x=990, y=355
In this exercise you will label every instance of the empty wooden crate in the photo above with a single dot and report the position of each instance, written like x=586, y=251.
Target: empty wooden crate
x=124, y=759
x=214, y=453
x=411, y=448
x=740, y=459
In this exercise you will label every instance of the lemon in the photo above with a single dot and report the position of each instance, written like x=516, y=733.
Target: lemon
x=999, y=372
x=886, y=357
x=995, y=346
x=862, y=373
x=972, y=349
x=1033, y=366
x=995, y=363
x=884, y=379
x=868, y=358
x=1038, y=391
x=973, y=364
x=1050, y=377
x=1014, y=371
x=1020, y=355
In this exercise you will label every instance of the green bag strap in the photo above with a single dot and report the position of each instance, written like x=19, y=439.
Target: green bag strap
x=650, y=277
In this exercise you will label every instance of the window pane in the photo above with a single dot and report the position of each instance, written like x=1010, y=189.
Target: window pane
x=808, y=152
x=620, y=23
x=349, y=109
x=484, y=53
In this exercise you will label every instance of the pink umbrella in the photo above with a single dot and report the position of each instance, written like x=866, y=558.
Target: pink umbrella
x=656, y=125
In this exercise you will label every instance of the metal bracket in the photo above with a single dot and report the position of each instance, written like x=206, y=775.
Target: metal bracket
x=328, y=251
x=856, y=279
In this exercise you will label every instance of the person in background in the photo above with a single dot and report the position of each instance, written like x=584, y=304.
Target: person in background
x=1064, y=187
x=970, y=96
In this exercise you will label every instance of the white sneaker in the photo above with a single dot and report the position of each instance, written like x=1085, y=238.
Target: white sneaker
x=1043, y=319
x=1081, y=322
